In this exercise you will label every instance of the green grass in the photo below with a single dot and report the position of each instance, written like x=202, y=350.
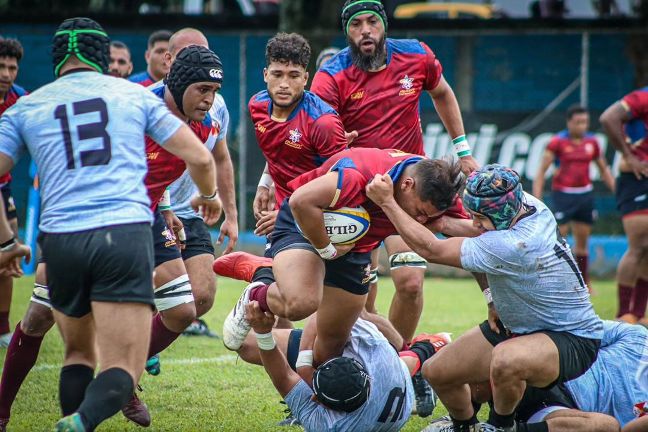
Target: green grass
x=203, y=387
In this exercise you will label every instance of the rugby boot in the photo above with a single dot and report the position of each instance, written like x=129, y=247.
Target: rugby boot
x=71, y=423
x=236, y=327
x=240, y=265
x=153, y=366
x=136, y=411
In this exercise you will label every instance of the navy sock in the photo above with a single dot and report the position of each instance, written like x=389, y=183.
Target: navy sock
x=264, y=274
x=105, y=396
x=72, y=386
x=499, y=420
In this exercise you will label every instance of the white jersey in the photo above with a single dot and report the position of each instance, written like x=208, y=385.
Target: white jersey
x=618, y=379
x=533, y=277
x=183, y=189
x=390, y=399
x=85, y=132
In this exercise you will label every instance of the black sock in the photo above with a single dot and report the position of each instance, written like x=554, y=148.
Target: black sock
x=464, y=425
x=476, y=407
x=533, y=427
x=72, y=386
x=501, y=421
x=105, y=396
x=263, y=274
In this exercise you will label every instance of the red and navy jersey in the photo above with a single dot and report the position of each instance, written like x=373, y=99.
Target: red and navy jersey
x=312, y=133
x=573, y=162
x=142, y=78
x=382, y=106
x=637, y=103
x=12, y=96
x=163, y=167
x=357, y=167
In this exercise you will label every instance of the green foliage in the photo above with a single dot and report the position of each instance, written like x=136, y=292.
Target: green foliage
x=203, y=387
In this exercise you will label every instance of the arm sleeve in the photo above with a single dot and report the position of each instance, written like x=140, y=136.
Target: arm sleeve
x=328, y=135
x=487, y=254
x=325, y=87
x=11, y=142
x=637, y=101
x=433, y=68
x=161, y=124
x=350, y=188
x=311, y=415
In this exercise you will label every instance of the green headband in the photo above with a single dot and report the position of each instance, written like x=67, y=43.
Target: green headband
x=361, y=7
x=73, y=48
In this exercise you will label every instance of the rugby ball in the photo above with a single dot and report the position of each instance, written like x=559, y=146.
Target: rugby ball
x=346, y=225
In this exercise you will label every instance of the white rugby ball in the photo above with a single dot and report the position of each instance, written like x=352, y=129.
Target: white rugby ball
x=346, y=225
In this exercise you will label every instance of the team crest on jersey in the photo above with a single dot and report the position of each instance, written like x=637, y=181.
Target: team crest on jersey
x=260, y=128
x=407, y=86
x=357, y=95
x=293, y=139
x=640, y=409
x=589, y=148
x=152, y=155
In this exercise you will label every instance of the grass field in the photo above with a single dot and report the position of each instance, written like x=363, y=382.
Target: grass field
x=203, y=387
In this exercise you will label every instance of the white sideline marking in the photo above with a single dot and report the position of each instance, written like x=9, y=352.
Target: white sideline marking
x=225, y=358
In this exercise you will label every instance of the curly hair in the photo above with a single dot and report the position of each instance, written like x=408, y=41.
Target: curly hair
x=288, y=48
x=11, y=48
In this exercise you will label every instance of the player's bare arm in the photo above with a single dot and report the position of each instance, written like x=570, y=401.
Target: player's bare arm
x=274, y=362
x=419, y=238
x=447, y=106
x=606, y=173
x=612, y=121
x=225, y=183
x=307, y=204
x=539, y=181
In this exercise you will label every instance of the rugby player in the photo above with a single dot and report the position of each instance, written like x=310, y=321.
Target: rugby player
x=375, y=84
x=157, y=68
x=173, y=293
x=121, y=64
x=367, y=388
x=314, y=275
x=95, y=208
x=632, y=199
x=572, y=152
x=551, y=331
x=613, y=390
x=11, y=52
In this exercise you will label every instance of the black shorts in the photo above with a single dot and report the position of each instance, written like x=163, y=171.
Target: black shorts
x=536, y=399
x=569, y=207
x=110, y=264
x=199, y=241
x=351, y=272
x=164, y=242
x=575, y=354
x=10, y=206
x=631, y=194
x=294, y=339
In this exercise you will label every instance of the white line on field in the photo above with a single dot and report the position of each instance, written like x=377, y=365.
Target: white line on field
x=225, y=358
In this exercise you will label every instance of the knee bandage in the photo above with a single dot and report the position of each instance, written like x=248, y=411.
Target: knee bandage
x=406, y=259
x=173, y=293
x=40, y=295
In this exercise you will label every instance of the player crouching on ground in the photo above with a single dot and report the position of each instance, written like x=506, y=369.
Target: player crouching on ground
x=367, y=388
x=537, y=291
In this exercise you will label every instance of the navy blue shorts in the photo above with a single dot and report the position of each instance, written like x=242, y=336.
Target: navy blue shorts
x=569, y=207
x=631, y=194
x=199, y=241
x=164, y=242
x=351, y=272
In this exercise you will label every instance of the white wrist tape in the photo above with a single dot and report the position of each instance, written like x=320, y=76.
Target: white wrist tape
x=304, y=358
x=182, y=236
x=165, y=201
x=461, y=146
x=265, y=181
x=265, y=341
x=327, y=253
x=487, y=295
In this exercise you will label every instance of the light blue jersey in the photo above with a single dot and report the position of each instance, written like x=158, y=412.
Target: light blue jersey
x=183, y=189
x=390, y=400
x=618, y=379
x=85, y=131
x=533, y=277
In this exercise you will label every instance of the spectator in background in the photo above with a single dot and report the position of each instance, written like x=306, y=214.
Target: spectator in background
x=11, y=52
x=266, y=7
x=572, y=151
x=121, y=64
x=158, y=45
